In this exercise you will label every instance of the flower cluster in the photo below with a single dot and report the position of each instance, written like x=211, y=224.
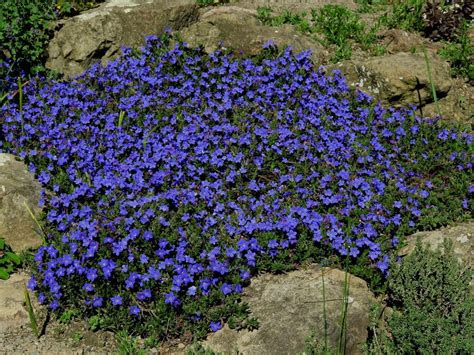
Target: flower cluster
x=173, y=172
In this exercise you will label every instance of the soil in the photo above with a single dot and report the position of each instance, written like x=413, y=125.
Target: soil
x=74, y=338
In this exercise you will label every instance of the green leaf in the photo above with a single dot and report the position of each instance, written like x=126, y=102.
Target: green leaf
x=4, y=275
x=13, y=257
x=2, y=242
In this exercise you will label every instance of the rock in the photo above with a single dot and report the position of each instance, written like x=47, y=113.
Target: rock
x=395, y=40
x=18, y=189
x=239, y=29
x=12, y=312
x=98, y=34
x=290, y=306
x=398, y=79
x=457, y=106
x=462, y=236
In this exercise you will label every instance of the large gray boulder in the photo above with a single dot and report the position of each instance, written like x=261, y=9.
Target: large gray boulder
x=289, y=307
x=399, y=79
x=98, y=34
x=239, y=29
x=18, y=189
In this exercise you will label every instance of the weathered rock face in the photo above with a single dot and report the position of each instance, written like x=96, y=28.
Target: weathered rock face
x=239, y=29
x=462, y=236
x=395, y=40
x=12, y=312
x=457, y=106
x=398, y=79
x=98, y=34
x=18, y=189
x=290, y=306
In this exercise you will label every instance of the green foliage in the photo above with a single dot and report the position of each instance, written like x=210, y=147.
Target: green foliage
x=314, y=346
x=406, y=15
x=68, y=316
x=287, y=17
x=460, y=53
x=77, y=336
x=128, y=345
x=25, y=32
x=9, y=261
x=370, y=6
x=339, y=27
x=73, y=7
x=95, y=323
x=433, y=307
x=379, y=341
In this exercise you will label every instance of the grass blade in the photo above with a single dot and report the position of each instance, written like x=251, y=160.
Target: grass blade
x=36, y=221
x=121, y=116
x=430, y=77
x=31, y=313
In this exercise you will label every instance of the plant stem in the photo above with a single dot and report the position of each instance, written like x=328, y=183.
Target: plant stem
x=345, y=302
x=433, y=91
x=324, y=313
x=20, y=92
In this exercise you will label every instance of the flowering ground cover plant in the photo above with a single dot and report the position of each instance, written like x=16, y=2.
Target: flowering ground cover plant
x=177, y=175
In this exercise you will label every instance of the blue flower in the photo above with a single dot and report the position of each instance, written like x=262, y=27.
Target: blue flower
x=32, y=283
x=97, y=302
x=116, y=300
x=215, y=326
x=135, y=310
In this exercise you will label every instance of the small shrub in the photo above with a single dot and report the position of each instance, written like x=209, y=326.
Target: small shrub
x=128, y=345
x=370, y=6
x=67, y=316
x=406, y=15
x=460, y=53
x=444, y=21
x=24, y=32
x=433, y=306
x=339, y=26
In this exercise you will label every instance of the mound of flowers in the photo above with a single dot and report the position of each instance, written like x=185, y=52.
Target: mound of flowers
x=171, y=176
